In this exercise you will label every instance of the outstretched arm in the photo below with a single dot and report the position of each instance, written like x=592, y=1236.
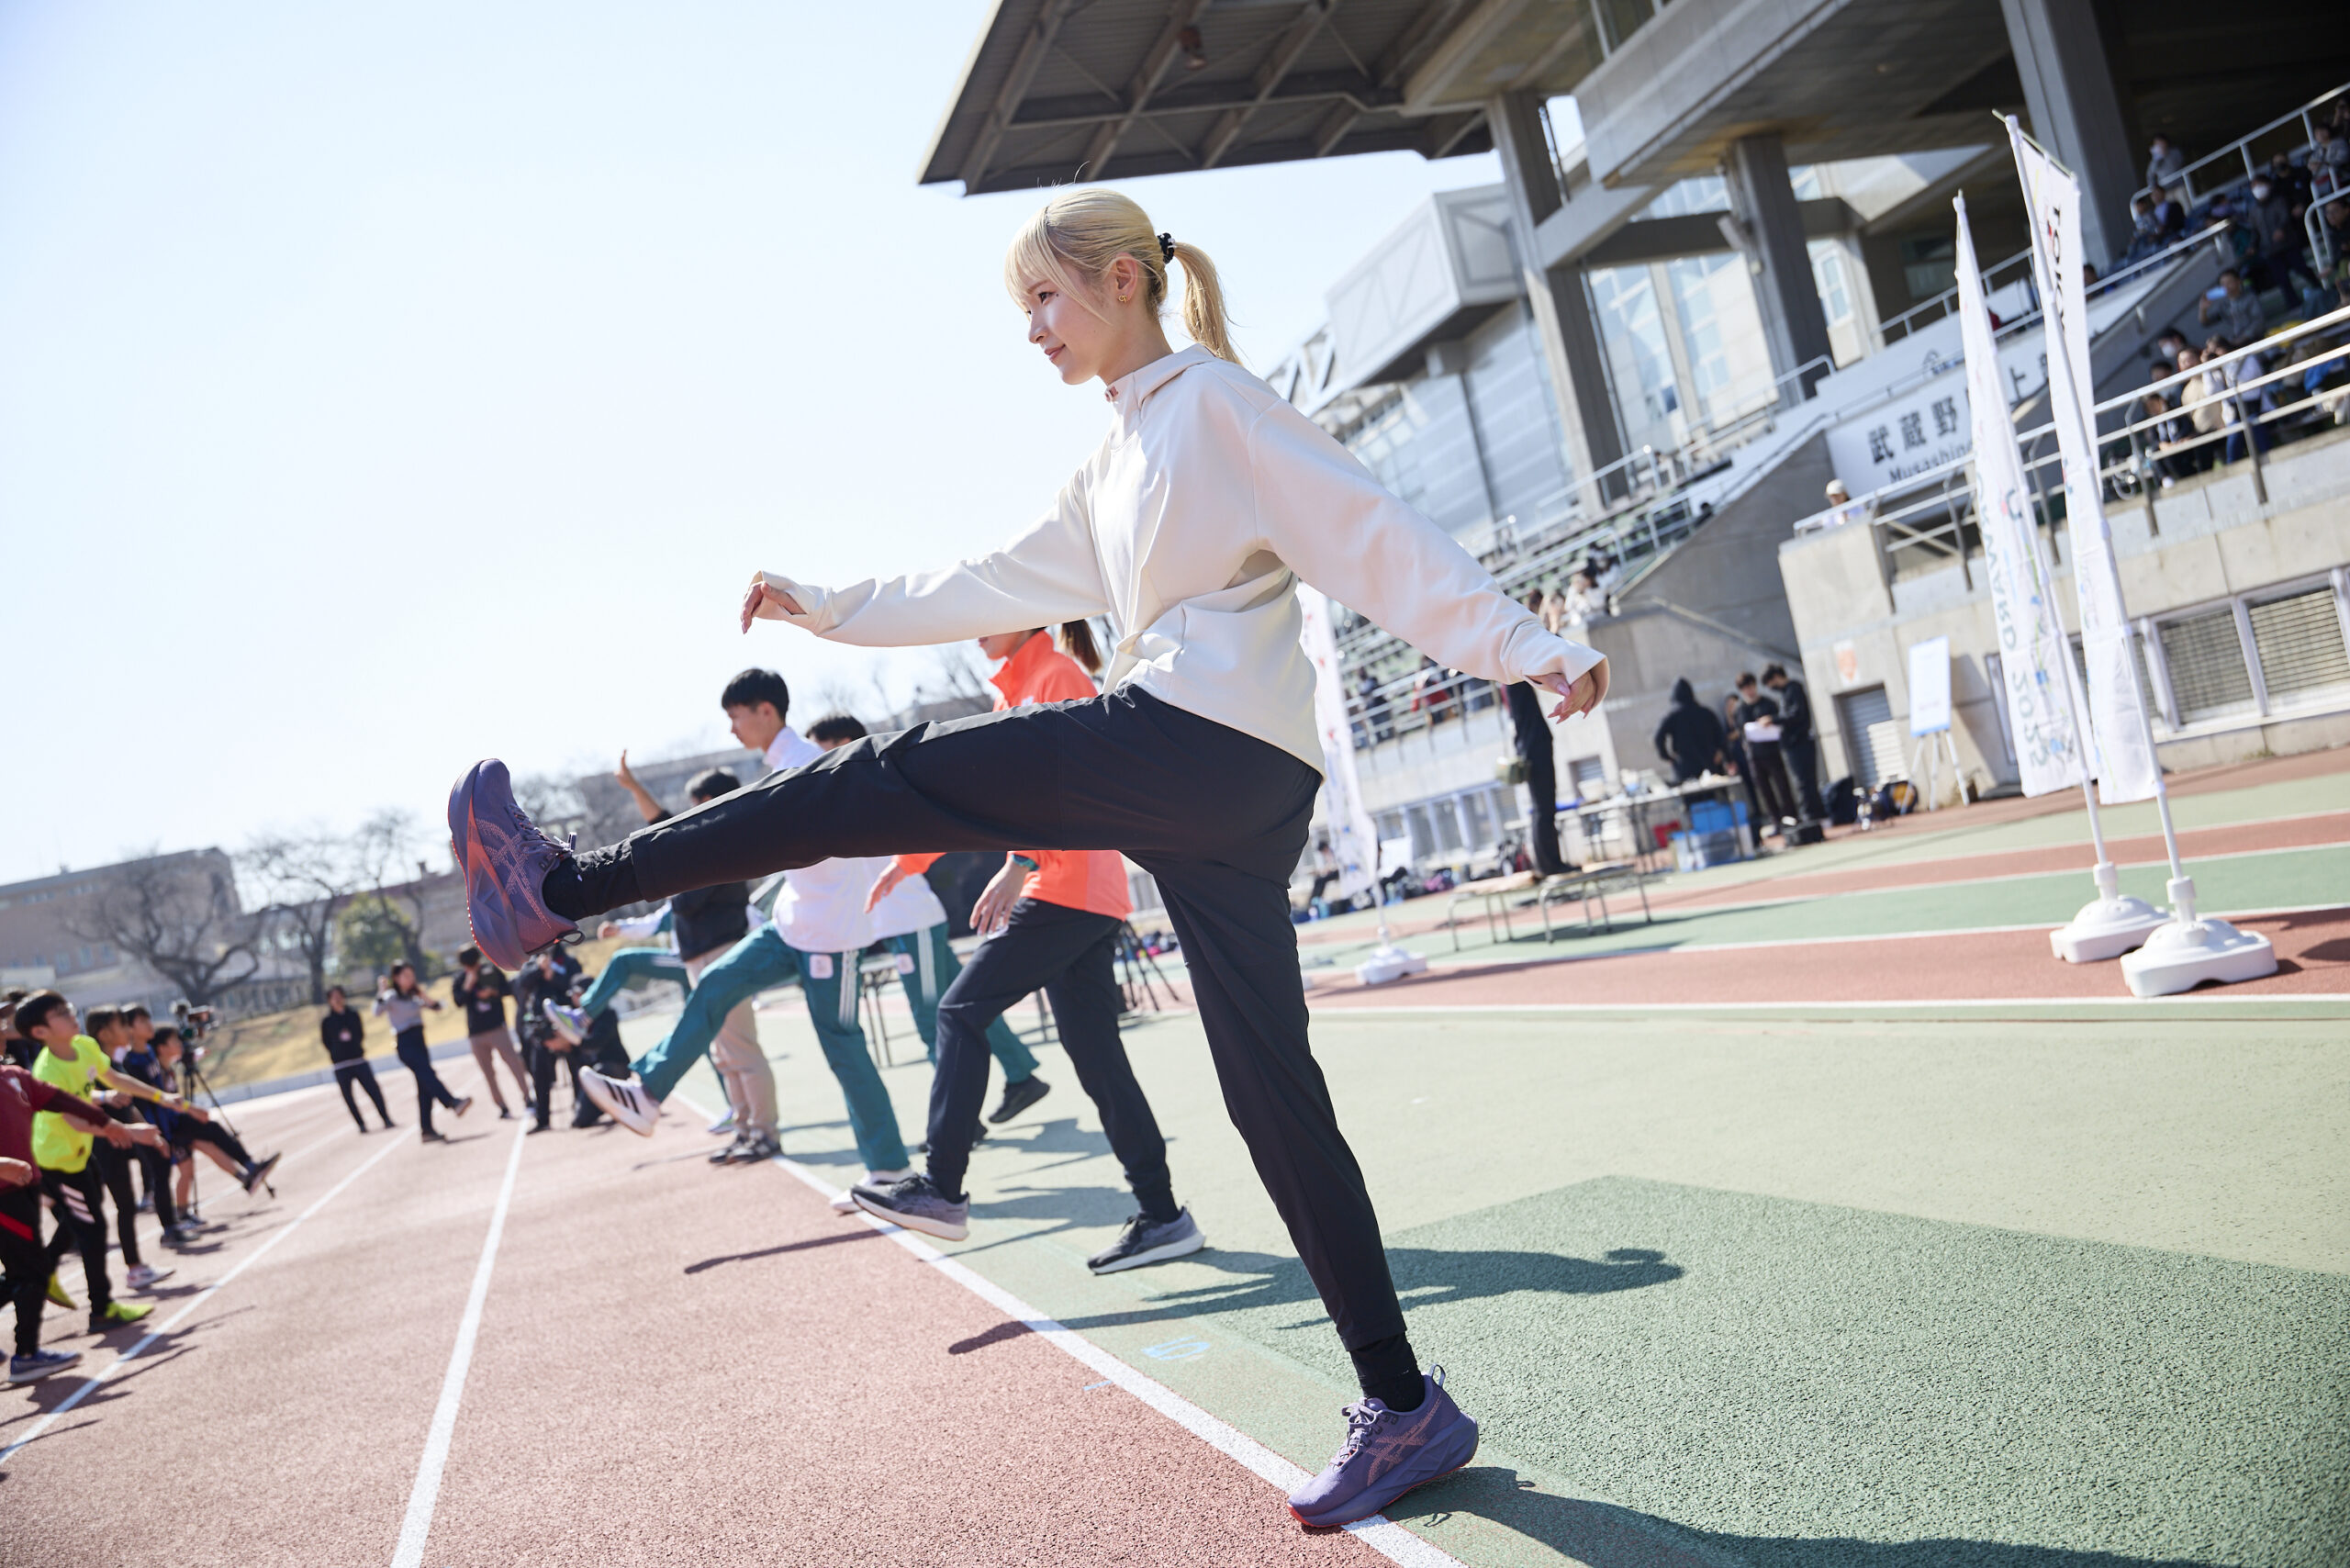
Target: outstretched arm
x=1346, y=533
x=1046, y=576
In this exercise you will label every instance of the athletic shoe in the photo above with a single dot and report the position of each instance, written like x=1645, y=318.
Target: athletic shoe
x=146, y=1202
x=143, y=1278
x=505, y=857
x=623, y=1099
x=724, y=1123
x=39, y=1364
x=465, y=1103
x=1018, y=1097
x=57, y=1293
x=504, y=1114
x=434, y=1137
x=541, y=1128
x=179, y=1235
x=1387, y=1452
x=726, y=1156
x=117, y=1315
x=762, y=1147
x=571, y=1022
x=845, y=1201
x=1147, y=1240
x=918, y=1204
x=259, y=1174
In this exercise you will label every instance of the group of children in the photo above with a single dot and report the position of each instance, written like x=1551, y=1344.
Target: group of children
x=84, y=1103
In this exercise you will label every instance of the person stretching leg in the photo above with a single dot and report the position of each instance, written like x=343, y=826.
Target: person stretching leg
x=909, y=917
x=1210, y=498
x=1051, y=919
x=817, y=930
x=402, y=1001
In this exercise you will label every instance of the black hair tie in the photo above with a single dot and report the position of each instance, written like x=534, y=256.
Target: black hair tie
x=1166, y=248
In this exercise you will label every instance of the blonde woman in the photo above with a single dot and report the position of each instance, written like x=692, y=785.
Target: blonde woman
x=1189, y=527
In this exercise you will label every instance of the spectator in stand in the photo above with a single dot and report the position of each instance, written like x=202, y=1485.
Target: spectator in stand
x=1554, y=611
x=2204, y=415
x=1798, y=746
x=2164, y=163
x=2235, y=309
x=2292, y=182
x=2276, y=226
x=2165, y=434
x=2242, y=411
x=1374, y=706
x=2170, y=216
x=2329, y=151
x=2145, y=230
x=1690, y=737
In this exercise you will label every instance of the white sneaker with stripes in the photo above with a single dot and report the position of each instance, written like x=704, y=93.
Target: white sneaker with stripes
x=622, y=1100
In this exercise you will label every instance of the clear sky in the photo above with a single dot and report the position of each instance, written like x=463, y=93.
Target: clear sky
x=388, y=387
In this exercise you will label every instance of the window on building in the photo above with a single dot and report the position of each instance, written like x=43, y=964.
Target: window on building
x=2205, y=658
x=1590, y=777
x=1928, y=265
x=2298, y=639
x=1446, y=821
x=1479, y=814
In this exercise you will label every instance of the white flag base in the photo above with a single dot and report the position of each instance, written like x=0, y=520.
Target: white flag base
x=1388, y=962
x=2182, y=955
x=2106, y=929
x=2110, y=925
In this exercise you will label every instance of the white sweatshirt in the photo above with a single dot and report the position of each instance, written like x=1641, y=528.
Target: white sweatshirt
x=1189, y=527
x=821, y=908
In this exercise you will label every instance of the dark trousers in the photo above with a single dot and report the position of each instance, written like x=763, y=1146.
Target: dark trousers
x=23, y=1264
x=418, y=1060
x=81, y=1211
x=1542, y=783
x=1802, y=759
x=1070, y=954
x=347, y=1073
x=544, y=1060
x=1219, y=820
x=192, y=1132
x=1770, y=780
x=113, y=1167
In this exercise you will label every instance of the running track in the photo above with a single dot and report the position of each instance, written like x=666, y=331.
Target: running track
x=656, y=1375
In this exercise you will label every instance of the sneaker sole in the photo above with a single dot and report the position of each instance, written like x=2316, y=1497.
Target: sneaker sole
x=914, y=1221
x=1393, y=1499
x=17, y=1378
x=1160, y=1254
x=600, y=1096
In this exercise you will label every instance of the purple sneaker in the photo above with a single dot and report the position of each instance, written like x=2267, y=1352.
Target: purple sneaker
x=1387, y=1452
x=504, y=856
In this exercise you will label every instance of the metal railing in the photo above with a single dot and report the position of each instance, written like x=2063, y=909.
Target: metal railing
x=1943, y=304
x=2240, y=149
x=2321, y=237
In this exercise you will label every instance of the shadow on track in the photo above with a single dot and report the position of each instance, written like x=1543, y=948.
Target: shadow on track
x=858, y=1235
x=1606, y=1536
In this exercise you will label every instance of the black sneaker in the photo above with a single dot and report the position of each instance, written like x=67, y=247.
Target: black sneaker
x=762, y=1147
x=918, y=1204
x=259, y=1174
x=733, y=1151
x=1147, y=1240
x=1018, y=1097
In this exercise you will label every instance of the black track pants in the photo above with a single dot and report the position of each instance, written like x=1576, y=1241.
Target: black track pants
x=1218, y=817
x=113, y=1166
x=1071, y=956
x=23, y=1263
x=415, y=1056
x=76, y=1195
x=347, y=1073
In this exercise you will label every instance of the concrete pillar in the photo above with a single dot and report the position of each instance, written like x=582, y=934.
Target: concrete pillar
x=1562, y=319
x=1793, y=325
x=2076, y=113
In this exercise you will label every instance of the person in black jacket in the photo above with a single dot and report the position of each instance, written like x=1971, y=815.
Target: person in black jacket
x=1798, y=743
x=1766, y=769
x=1541, y=767
x=344, y=1032
x=483, y=988
x=1695, y=735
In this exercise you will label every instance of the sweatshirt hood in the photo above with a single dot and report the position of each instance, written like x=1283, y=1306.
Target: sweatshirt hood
x=1682, y=692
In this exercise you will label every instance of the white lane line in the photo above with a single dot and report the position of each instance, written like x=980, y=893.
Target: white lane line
x=280, y=1234
x=1383, y=1536
x=426, y=1493
x=2257, y=999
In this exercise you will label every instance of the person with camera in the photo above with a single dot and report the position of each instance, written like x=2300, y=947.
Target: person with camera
x=483, y=988
x=402, y=1001
x=72, y=1063
x=187, y=1128
x=344, y=1033
x=25, y=1267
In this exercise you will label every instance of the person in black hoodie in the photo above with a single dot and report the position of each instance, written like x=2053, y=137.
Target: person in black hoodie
x=344, y=1032
x=1694, y=733
x=1798, y=745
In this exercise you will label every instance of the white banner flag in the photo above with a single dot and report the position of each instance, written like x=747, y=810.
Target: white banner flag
x=2121, y=748
x=1354, y=842
x=2032, y=641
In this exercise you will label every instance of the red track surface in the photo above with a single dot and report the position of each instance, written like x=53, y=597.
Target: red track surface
x=2313, y=953
x=675, y=1364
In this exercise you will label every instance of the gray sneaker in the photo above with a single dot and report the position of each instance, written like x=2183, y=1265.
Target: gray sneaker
x=1387, y=1452
x=918, y=1204
x=505, y=857
x=1147, y=1240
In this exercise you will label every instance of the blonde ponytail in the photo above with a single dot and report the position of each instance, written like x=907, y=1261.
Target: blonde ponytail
x=1075, y=237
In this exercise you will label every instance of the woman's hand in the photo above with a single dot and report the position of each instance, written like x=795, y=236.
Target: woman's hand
x=995, y=900
x=764, y=601
x=626, y=776
x=885, y=884
x=1582, y=696
x=606, y=931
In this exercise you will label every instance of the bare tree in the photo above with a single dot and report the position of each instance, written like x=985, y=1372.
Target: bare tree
x=383, y=850
x=306, y=882
x=179, y=915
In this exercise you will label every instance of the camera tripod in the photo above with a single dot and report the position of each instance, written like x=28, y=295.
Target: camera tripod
x=1137, y=968
x=195, y=1074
